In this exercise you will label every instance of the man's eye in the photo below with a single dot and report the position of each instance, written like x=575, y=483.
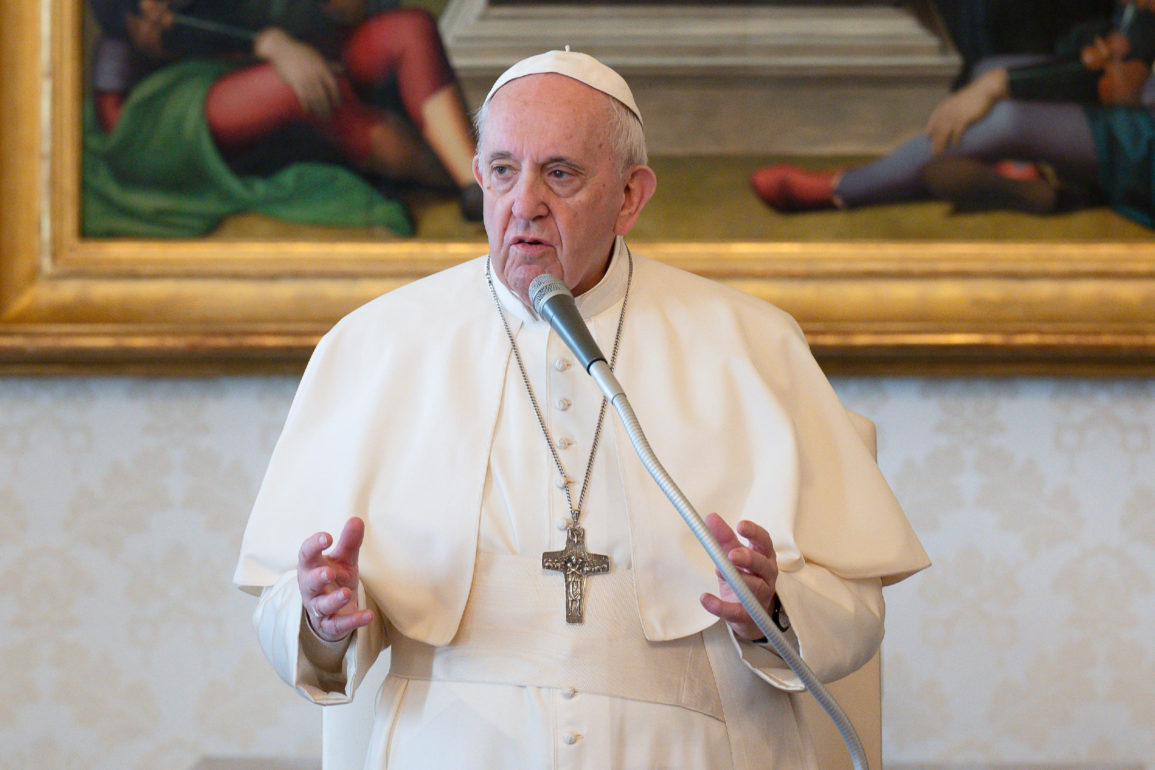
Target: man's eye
x=559, y=173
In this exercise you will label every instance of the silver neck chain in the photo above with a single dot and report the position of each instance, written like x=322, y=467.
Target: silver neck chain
x=574, y=512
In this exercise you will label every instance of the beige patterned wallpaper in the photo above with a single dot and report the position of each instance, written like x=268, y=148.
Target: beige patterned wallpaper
x=124, y=645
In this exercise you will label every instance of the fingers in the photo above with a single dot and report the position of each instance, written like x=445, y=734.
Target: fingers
x=937, y=132
x=319, y=574
x=332, y=602
x=944, y=136
x=956, y=135
x=349, y=544
x=304, y=69
x=1092, y=57
x=314, y=582
x=757, y=558
x=757, y=566
x=330, y=89
x=731, y=612
x=320, y=91
x=728, y=611
x=332, y=613
x=754, y=564
x=734, y=614
x=938, y=142
x=311, y=550
x=756, y=536
x=937, y=127
x=721, y=532
x=348, y=547
x=762, y=589
x=336, y=627
x=1103, y=50
x=313, y=102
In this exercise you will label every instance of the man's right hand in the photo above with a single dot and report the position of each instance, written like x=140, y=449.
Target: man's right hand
x=328, y=582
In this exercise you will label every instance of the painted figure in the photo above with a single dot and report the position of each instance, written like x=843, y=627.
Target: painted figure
x=1082, y=121
x=302, y=110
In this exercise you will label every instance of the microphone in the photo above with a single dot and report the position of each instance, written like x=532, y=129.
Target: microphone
x=553, y=301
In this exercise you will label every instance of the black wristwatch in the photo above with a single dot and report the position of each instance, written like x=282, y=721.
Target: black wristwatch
x=778, y=615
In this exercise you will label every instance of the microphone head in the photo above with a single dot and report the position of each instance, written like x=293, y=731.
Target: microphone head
x=545, y=287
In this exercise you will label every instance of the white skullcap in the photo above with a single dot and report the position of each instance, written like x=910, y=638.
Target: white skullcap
x=580, y=66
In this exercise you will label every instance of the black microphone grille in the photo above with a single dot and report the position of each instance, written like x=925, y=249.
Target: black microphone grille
x=545, y=287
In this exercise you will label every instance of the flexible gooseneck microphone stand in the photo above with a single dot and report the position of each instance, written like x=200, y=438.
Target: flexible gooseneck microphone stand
x=554, y=302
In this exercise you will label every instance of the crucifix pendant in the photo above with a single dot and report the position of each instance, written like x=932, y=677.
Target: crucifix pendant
x=575, y=563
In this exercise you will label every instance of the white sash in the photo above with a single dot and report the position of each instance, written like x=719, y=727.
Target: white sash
x=514, y=632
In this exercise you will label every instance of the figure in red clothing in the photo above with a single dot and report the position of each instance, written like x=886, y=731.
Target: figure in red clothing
x=197, y=88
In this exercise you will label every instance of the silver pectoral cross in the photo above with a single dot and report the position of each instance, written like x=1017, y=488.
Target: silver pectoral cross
x=575, y=563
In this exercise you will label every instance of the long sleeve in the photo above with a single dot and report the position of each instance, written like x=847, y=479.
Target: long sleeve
x=1066, y=78
x=1054, y=81
x=837, y=624
x=278, y=622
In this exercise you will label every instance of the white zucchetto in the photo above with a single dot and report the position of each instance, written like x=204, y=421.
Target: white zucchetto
x=580, y=66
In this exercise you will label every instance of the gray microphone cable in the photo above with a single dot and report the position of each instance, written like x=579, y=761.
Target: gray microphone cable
x=553, y=301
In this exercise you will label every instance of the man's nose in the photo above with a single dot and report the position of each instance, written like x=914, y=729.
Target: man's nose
x=529, y=197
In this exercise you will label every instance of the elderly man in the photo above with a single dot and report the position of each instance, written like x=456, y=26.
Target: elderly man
x=444, y=431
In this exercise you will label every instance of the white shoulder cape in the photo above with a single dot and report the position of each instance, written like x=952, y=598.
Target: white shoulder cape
x=394, y=418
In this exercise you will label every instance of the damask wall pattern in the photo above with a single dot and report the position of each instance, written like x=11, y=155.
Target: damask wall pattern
x=125, y=646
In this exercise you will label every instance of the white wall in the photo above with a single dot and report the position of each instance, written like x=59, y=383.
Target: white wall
x=124, y=645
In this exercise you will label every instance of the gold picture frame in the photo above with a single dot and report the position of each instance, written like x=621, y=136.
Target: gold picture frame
x=75, y=305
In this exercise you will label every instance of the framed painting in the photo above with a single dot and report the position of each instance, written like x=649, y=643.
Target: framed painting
x=911, y=289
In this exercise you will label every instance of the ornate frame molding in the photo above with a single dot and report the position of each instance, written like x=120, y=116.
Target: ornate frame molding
x=74, y=305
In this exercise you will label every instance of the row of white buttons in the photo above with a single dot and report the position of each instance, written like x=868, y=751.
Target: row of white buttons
x=570, y=739
x=563, y=522
x=565, y=442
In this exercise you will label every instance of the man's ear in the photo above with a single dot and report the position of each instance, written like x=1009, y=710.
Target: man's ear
x=639, y=188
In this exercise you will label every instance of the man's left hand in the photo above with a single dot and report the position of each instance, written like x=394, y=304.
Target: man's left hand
x=756, y=563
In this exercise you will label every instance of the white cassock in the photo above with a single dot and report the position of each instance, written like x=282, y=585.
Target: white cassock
x=413, y=415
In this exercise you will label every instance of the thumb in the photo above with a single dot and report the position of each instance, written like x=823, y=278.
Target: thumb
x=349, y=543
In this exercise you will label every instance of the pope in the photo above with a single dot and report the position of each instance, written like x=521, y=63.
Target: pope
x=449, y=488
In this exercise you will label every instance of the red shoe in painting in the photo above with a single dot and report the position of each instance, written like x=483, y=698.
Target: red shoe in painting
x=1021, y=170
x=789, y=188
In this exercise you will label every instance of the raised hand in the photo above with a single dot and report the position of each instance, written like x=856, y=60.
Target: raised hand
x=756, y=563
x=328, y=583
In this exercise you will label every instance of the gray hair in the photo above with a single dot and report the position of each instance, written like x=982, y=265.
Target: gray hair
x=627, y=138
